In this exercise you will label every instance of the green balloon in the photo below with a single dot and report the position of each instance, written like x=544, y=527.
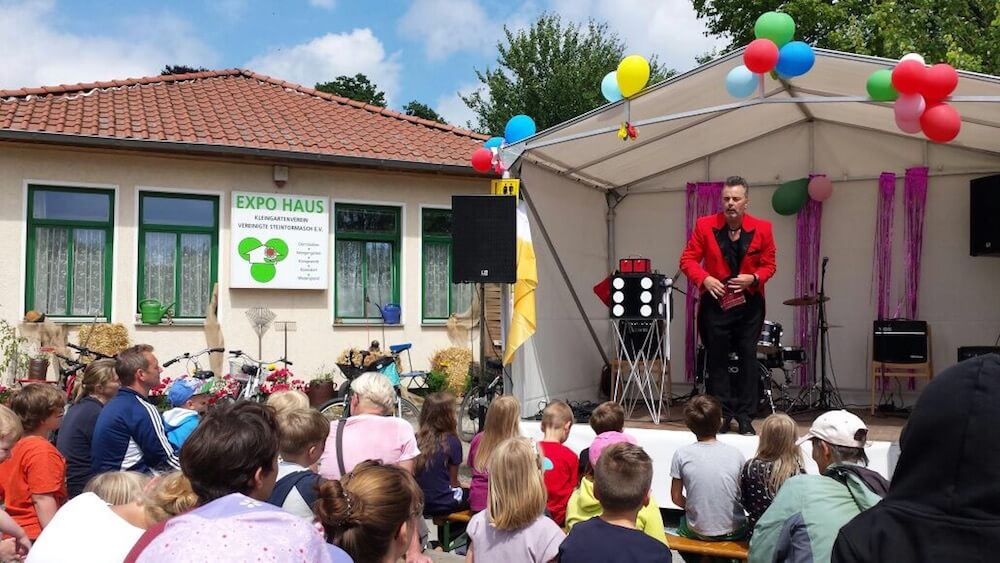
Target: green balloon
x=776, y=26
x=789, y=198
x=880, y=87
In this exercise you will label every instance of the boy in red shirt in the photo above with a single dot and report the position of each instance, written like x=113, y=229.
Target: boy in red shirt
x=561, y=479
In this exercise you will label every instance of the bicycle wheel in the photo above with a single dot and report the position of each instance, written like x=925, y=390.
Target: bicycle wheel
x=469, y=413
x=410, y=413
x=333, y=409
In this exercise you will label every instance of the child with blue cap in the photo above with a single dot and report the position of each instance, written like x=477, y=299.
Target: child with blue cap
x=189, y=397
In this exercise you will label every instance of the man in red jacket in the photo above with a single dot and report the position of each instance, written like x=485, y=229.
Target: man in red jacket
x=730, y=257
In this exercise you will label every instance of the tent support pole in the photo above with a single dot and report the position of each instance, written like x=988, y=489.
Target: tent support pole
x=562, y=272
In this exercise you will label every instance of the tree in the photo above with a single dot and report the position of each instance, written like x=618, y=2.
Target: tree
x=424, y=111
x=180, y=69
x=963, y=33
x=357, y=87
x=551, y=72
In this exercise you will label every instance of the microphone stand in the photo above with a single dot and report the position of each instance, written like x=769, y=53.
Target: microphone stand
x=825, y=393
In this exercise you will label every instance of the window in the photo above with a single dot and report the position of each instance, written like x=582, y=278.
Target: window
x=178, y=250
x=366, y=260
x=69, y=251
x=441, y=297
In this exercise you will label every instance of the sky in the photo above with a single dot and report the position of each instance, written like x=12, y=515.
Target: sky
x=423, y=50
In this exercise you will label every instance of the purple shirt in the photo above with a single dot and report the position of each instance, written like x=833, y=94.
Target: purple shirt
x=480, y=479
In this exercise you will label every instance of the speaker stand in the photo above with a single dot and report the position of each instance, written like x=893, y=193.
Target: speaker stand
x=636, y=368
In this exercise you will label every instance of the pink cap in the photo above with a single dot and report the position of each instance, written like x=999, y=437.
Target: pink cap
x=605, y=439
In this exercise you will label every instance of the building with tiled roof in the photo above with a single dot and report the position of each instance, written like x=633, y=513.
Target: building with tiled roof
x=121, y=193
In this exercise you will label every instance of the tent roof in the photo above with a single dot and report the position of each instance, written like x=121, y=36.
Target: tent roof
x=691, y=116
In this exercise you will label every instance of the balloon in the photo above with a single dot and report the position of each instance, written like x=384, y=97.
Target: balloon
x=761, y=55
x=879, y=86
x=820, y=188
x=633, y=74
x=518, y=128
x=609, y=87
x=908, y=77
x=795, y=59
x=909, y=107
x=940, y=81
x=776, y=26
x=790, y=196
x=482, y=160
x=908, y=126
x=941, y=123
x=493, y=142
x=740, y=82
x=913, y=57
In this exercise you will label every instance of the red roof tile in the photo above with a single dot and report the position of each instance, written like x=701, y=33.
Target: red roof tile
x=234, y=108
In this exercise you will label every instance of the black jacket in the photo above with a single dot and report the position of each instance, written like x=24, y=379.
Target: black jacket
x=944, y=501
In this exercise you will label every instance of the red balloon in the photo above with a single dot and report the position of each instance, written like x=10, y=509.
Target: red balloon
x=482, y=160
x=761, y=56
x=908, y=76
x=940, y=81
x=941, y=123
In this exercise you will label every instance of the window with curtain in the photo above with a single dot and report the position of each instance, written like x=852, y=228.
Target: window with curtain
x=178, y=250
x=69, y=251
x=440, y=297
x=366, y=260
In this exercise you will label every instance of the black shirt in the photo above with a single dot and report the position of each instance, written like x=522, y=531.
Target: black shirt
x=73, y=442
x=600, y=542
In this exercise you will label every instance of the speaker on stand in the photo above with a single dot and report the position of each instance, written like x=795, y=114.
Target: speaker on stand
x=984, y=208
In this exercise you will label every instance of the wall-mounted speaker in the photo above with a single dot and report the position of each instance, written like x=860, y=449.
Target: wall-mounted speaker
x=984, y=208
x=900, y=342
x=484, y=239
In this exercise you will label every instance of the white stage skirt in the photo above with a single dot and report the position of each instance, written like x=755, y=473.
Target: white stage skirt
x=661, y=445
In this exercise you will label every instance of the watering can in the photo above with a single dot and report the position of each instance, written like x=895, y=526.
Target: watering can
x=151, y=311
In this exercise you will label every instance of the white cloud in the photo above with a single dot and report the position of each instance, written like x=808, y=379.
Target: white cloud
x=449, y=26
x=453, y=109
x=332, y=55
x=325, y=4
x=230, y=10
x=41, y=55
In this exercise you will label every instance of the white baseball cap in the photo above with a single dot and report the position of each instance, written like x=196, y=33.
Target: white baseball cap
x=839, y=428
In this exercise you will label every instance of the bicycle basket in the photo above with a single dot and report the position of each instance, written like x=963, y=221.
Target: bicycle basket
x=351, y=371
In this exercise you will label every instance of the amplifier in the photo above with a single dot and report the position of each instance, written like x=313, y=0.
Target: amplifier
x=900, y=342
x=966, y=352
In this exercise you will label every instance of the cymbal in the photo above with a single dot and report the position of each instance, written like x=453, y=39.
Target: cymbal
x=805, y=300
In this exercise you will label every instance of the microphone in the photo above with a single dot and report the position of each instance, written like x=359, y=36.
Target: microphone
x=825, y=260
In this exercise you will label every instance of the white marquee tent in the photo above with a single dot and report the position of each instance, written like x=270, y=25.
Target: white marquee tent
x=597, y=199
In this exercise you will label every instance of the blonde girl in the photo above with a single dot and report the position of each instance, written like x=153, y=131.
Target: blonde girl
x=514, y=526
x=777, y=459
x=502, y=422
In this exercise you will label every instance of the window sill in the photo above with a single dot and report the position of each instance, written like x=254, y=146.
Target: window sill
x=174, y=322
x=361, y=322
x=434, y=323
x=75, y=320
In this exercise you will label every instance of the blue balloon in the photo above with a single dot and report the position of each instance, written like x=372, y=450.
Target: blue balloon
x=609, y=87
x=740, y=82
x=519, y=127
x=795, y=59
x=493, y=142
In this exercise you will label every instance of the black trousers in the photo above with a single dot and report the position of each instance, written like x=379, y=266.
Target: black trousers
x=724, y=332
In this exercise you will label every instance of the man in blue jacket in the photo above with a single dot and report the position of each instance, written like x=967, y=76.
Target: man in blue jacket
x=129, y=435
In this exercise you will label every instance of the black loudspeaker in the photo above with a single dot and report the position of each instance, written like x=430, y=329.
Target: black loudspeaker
x=984, y=208
x=966, y=352
x=900, y=342
x=484, y=239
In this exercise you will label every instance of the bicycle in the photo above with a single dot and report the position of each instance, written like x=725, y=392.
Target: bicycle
x=340, y=406
x=250, y=375
x=477, y=400
x=71, y=368
x=193, y=367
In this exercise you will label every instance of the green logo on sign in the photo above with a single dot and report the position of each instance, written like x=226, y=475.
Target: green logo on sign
x=263, y=256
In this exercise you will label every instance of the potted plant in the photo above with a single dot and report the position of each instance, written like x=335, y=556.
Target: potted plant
x=320, y=388
x=15, y=360
x=280, y=380
x=38, y=364
x=5, y=394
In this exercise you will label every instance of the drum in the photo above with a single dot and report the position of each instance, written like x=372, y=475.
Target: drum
x=793, y=355
x=770, y=338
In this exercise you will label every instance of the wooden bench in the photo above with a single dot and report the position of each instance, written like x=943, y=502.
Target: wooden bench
x=723, y=549
x=444, y=523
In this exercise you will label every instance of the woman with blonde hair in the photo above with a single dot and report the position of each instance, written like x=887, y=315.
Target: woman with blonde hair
x=514, y=526
x=502, y=422
x=777, y=459
x=98, y=385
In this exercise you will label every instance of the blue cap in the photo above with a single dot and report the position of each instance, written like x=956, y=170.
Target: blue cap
x=185, y=388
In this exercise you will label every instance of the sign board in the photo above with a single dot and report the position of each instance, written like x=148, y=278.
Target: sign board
x=279, y=241
x=506, y=186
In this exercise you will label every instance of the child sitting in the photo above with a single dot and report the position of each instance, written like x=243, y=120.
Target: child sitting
x=33, y=480
x=514, y=526
x=561, y=479
x=708, y=471
x=778, y=458
x=10, y=432
x=584, y=504
x=303, y=438
x=502, y=422
x=622, y=481
x=286, y=400
x=189, y=397
x=436, y=468
x=609, y=416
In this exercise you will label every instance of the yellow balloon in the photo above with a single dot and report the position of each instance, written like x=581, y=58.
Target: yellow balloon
x=633, y=74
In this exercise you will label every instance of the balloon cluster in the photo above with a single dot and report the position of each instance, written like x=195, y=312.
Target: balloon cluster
x=488, y=158
x=630, y=78
x=772, y=51
x=789, y=198
x=919, y=91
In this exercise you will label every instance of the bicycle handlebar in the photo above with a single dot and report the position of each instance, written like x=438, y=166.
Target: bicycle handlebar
x=189, y=355
x=84, y=351
x=240, y=354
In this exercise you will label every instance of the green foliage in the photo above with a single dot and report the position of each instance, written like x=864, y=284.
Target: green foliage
x=424, y=111
x=551, y=72
x=963, y=33
x=437, y=381
x=11, y=348
x=357, y=87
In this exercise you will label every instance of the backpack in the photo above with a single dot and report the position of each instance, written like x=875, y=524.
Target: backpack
x=305, y=482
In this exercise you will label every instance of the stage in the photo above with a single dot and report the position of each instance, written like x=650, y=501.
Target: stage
x=661, y=441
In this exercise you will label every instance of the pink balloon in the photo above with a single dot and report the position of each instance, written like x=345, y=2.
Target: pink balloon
x=908, y=126
x=820, y=188
x=909, y=107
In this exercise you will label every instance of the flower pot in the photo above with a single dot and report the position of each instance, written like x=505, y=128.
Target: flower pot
x=38, y=368
x=320, y=393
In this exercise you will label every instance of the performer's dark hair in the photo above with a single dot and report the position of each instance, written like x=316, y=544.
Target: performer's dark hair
x=703, y=415
x=738, y=181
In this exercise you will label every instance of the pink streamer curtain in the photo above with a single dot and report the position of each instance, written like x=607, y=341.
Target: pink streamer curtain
x=703, y=198
x=807, y=242
x=882, y=261
x=915, y=204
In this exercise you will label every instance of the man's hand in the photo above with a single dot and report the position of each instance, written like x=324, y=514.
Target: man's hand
x=741, y=282
x=714, y=286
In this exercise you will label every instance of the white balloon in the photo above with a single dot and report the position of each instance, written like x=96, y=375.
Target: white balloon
x=913, y=57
